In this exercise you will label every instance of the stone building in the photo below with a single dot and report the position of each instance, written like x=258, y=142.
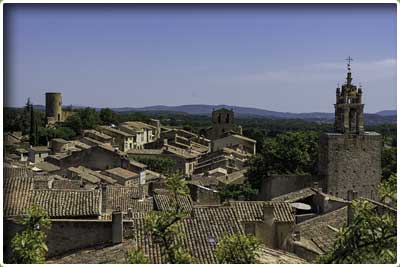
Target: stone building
x=53, y=107
x=350, y=158
x=122, y=140
x=143, y=133
x=236, y=142
x=222, y=123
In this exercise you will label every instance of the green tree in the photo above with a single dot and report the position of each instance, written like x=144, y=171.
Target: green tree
x=90, y=118
x=163, y=226
x=74, y=122
x=136, y=256
x=157, y=164
x=107, y=116
x=388, y=195
x=238, y=249
x=389, y=162
x=236, y=192
x=29, y=246
x=371, y=235
x=287, y=153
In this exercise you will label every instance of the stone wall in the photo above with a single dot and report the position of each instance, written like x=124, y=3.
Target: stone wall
x=278, y=185
x=201, y=196
x=68, y=235
x=94, y=158
x=350, y=162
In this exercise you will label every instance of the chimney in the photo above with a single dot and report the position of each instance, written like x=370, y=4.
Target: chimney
x=117, y=227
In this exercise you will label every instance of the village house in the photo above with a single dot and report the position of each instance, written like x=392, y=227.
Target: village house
x=143, y=133
x=123, y=176
x=121, y=139
x=99, y=136
x=38, y=153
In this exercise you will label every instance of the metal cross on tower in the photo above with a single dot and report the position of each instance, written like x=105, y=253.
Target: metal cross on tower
x=349, y=59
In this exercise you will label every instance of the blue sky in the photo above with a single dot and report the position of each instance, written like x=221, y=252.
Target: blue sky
x=276, y=57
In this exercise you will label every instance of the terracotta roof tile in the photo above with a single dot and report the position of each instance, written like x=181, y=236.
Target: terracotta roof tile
x=164, y=202
x=17, y=186
x=68, y=203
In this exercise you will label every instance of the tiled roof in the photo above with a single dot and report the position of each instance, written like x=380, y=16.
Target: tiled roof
x=97, y=133
x=123, y=173
x=317, y=229
x=17, y=186
x=68, y=203
x=47, y=166
x=166, y=202
x=124, y=198
x=295, y=196
x=272, y=256
x=91, y=175
x=66, y=184
x=248, y=210
x=84, y=174
x=202, y=232
x=137, y=125
x=283, y=211
x=114, y=131
x=179, y=152
x=253, y=210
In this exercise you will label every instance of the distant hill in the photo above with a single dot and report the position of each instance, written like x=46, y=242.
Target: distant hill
x=385, y=116
x=387, y=113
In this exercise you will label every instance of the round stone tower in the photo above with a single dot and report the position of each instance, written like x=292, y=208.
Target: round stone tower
x=53, y=106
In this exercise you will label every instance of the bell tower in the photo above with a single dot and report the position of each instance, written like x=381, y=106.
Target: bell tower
x=349, y=110
x=350, y=158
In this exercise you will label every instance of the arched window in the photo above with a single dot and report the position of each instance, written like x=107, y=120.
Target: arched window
x=219, y=118
x=227, y=118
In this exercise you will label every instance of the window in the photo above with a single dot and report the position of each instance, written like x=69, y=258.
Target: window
x=227, y=118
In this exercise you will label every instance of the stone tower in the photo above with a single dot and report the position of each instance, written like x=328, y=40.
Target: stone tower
x=222, y=123
x=349, y=110
x=53, y=107
x=350, y=158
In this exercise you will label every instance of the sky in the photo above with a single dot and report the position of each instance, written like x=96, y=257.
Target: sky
x=283, y=57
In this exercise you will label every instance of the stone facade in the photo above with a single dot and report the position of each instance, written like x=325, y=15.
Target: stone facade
x=350, y=162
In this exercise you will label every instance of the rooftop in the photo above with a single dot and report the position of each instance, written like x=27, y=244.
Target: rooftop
x=47, y=166
x=138, y=125
x=40, y=149
x=115, y=131
x=123, y=173
x=68, y=203
x=166, y=202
